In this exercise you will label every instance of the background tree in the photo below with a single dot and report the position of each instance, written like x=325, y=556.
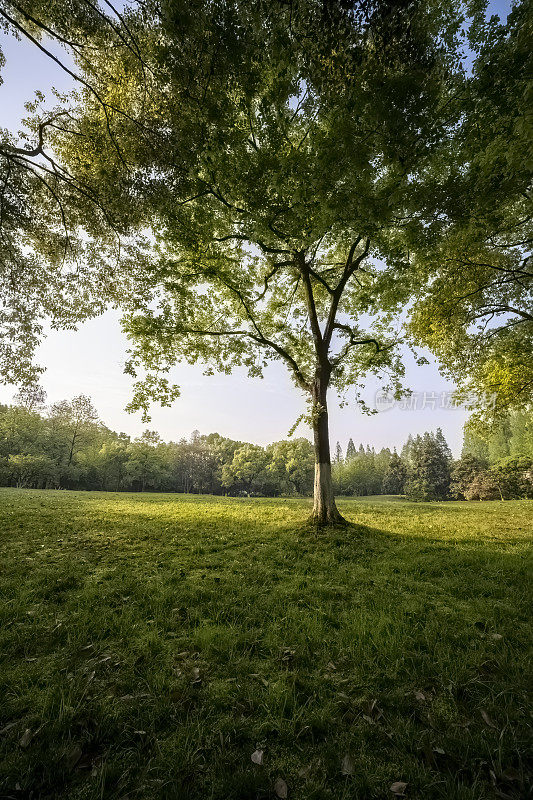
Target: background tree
x=31, y=397
x=395, y=476
x=146, y=465
x=514, y=477
x=463, y=473
x=350, y=450
x=292, y=464
x=429, y=474
x=248, y=471
x=511, y=434
x=363, y=473
x=73, y=423
x=483, y=487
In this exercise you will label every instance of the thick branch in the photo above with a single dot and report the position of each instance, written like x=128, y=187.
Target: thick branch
x=311, y=308
x=352, y=342
x=264, y=342
x=349, y=269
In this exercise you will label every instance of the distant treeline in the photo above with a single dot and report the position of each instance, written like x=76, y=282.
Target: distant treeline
x=66, y=446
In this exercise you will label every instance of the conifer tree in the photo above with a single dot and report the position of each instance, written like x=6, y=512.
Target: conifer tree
x=350, y=450
x=396, y=475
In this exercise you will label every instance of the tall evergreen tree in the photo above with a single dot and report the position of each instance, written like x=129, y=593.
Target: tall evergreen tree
x=430, y=470
x=443, y=444
x=396, y=476
x=350, y=450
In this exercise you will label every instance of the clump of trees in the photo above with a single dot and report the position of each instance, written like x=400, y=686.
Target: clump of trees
x=362, y=472
x=422, y=472
x=497, y=461
x=67, y=446
x=496, y=464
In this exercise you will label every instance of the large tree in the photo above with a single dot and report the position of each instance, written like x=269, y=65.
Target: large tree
x=277, y=153
x=285, y=160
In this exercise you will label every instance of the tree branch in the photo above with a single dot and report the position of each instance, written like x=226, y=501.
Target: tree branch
x=264, y=342
x=349, y=269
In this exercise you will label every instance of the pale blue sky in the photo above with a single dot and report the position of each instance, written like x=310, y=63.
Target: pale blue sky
x=91, y=359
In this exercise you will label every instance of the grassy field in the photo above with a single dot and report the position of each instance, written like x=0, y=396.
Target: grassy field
x=152, y=644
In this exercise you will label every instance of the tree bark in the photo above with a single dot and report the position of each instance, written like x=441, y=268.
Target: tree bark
x=325, y=511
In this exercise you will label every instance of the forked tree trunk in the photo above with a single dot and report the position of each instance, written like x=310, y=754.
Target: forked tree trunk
x=325, y=511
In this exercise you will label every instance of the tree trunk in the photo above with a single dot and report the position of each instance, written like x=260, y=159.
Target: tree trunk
x=324, y=509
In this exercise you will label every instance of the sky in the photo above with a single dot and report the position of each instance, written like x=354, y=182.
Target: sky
x=91, y=359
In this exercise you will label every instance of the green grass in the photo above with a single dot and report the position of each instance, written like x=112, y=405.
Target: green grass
x=151, y=643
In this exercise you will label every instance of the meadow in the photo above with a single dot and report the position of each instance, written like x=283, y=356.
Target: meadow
x=173, y=646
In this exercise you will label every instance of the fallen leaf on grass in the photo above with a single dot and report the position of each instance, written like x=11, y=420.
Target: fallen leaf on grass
x=420, y=696
x=280, y=788
x=257, y=757
x=496, y=636
x=511, y=774
x=398, y=788
x=347, y=765
x=287, y=654
x=486, y=719
x=73, y=757
x=259, y=678
x=372, y=711
x=27, y=736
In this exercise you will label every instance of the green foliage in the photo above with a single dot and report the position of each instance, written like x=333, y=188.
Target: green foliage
x=510, y=435
x=362, y=472
x=151, y=643
x=429, y=468
x=29, y=470
x=273, y=152
x=514, y=477
x=395, y=476
x=463, y=473
x=483, y=487
x=474, y=312
x=350, y=450
x=68, y=447
x=507, y=446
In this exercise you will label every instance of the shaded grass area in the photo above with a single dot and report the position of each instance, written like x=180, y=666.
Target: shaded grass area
x=151, y=643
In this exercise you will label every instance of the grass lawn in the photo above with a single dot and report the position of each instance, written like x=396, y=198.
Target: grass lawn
x=150, y=644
